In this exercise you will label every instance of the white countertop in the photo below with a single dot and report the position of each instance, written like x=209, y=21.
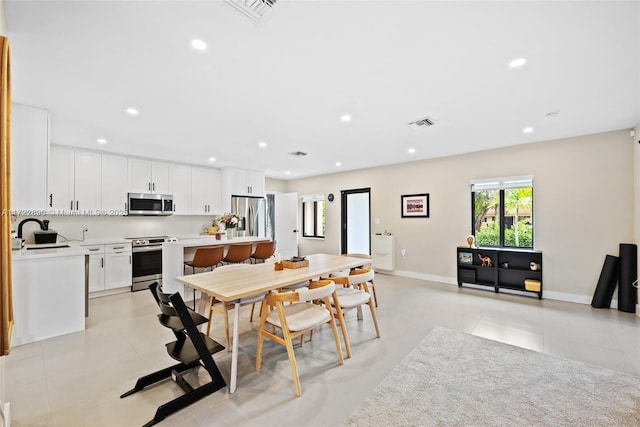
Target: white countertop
x=203, y=240
x=53, y=250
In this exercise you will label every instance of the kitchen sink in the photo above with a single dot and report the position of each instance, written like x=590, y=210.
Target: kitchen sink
x=48, y=247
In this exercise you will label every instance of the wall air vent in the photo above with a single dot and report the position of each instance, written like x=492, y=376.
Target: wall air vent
x=422, y=123
x=252, y=9
x=298, y=153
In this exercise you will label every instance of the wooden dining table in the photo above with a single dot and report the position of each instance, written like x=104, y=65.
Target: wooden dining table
x=229, y=286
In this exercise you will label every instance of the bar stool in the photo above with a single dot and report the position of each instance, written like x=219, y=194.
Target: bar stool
x=205, y=257
x=238, y=253
x=264, y=250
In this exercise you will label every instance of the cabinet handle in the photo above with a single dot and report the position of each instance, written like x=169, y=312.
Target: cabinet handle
x=129, y=259
x=154, y=186
x=94, y=249
x=51, y=200
x=77, y=205
x=118, y=247
x=102, y=262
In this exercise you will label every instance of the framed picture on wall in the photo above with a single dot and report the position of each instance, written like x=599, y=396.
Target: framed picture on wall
x=415, y=205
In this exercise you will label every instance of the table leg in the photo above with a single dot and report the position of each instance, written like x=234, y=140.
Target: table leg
x=234, y=348
x=203, y=306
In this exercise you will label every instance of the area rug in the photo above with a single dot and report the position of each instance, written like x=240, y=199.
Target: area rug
x=454, y=379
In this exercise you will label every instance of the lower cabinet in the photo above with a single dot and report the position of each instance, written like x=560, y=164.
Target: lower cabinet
x=109, y=266
x=516, y=269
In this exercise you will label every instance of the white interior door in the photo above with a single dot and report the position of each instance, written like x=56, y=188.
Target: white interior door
x=286, y=224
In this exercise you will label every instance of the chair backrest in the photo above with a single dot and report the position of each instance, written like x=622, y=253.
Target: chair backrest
x=238, y=252
x=361, y=276
x=264, y=250
x=316, y=290
x=207, y=256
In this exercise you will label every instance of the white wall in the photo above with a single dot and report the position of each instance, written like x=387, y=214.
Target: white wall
x=3, y=21
x=583, y=207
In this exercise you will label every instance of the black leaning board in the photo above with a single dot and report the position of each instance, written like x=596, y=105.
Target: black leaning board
x=627, y=293
x=606, y=284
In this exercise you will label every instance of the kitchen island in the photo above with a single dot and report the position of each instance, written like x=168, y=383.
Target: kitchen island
x=174, y=254
x=49, y=291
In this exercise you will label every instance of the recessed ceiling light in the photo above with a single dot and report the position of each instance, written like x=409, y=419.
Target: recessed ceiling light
x=212, y=159
x=101, y=141
x=518, y=62
x=527, y=130
x=411, y=150
x=338, y=164
x=288, y=172
x=551, y=114
x=132, y=111
x=345, y=118
x=198, y=44
x=262, y=144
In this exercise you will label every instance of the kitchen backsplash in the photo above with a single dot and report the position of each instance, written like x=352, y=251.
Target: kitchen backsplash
x=105, y=227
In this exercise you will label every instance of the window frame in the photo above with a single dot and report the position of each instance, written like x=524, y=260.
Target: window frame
x=501, y=185
x=318, y=221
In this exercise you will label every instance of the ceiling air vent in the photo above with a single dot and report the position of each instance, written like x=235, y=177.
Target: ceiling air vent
x=252, y=9
x=422, y=123
x=298, y=153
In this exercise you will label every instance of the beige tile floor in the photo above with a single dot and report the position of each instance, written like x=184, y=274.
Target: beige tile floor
x=76, y=380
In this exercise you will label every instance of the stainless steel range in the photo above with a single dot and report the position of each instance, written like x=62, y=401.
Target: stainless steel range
x=147, y=261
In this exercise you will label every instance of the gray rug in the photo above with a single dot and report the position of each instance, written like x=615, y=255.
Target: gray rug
x=452, y=378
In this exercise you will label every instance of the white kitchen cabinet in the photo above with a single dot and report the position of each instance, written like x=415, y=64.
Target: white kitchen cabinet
x=240, y=182
x=96, y=267
x=114, y=184
x=146, y=176
x=181, y=188
x=29, y=157
x=109, y=266
x=74, y=180
x=117, y=260
x=205, y=191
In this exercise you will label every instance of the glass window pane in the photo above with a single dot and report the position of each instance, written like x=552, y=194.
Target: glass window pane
x=518, y=217
x=487, y=217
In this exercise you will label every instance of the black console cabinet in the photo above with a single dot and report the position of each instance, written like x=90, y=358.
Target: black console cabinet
x=517, y=269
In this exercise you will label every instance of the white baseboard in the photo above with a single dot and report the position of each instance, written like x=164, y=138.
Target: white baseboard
x=559, y=296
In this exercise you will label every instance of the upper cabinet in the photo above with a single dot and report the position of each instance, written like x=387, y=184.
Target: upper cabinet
x=114, y=184
x=75, y=179
x=240, y=182
x=180, y=176
x=205, y=191
x=29, y=157
x=146, y=176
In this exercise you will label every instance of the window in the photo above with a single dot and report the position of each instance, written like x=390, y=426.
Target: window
x=502, y=212
x=313, y=216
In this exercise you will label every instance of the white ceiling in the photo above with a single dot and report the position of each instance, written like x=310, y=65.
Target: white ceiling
x=287, y=79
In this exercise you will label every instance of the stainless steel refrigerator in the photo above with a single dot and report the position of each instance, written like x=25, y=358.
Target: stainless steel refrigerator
x=253, y=215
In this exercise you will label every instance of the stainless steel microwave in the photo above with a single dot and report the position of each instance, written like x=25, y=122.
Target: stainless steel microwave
x=149, y=204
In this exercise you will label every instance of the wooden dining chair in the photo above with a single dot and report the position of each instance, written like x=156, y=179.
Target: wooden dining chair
x=284, y=323
x=238, y=253
x=354, y=293
x=216, y=306
x=368, y=266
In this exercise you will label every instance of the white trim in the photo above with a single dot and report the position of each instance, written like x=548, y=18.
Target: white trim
x=558, y=296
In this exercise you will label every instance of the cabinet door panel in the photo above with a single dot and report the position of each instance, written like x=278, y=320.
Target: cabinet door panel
x=139, y=175
x=29, y=157
x=61, y=171
x=181, y=189
x=96, y=272
x=114, y=183
x=160, y=182
x=88, y=176
x=118, y=270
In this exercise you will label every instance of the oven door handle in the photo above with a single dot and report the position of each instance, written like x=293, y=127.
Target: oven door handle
x=147, y=249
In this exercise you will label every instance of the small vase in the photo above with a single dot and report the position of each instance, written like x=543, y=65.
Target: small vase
x=231, y=233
